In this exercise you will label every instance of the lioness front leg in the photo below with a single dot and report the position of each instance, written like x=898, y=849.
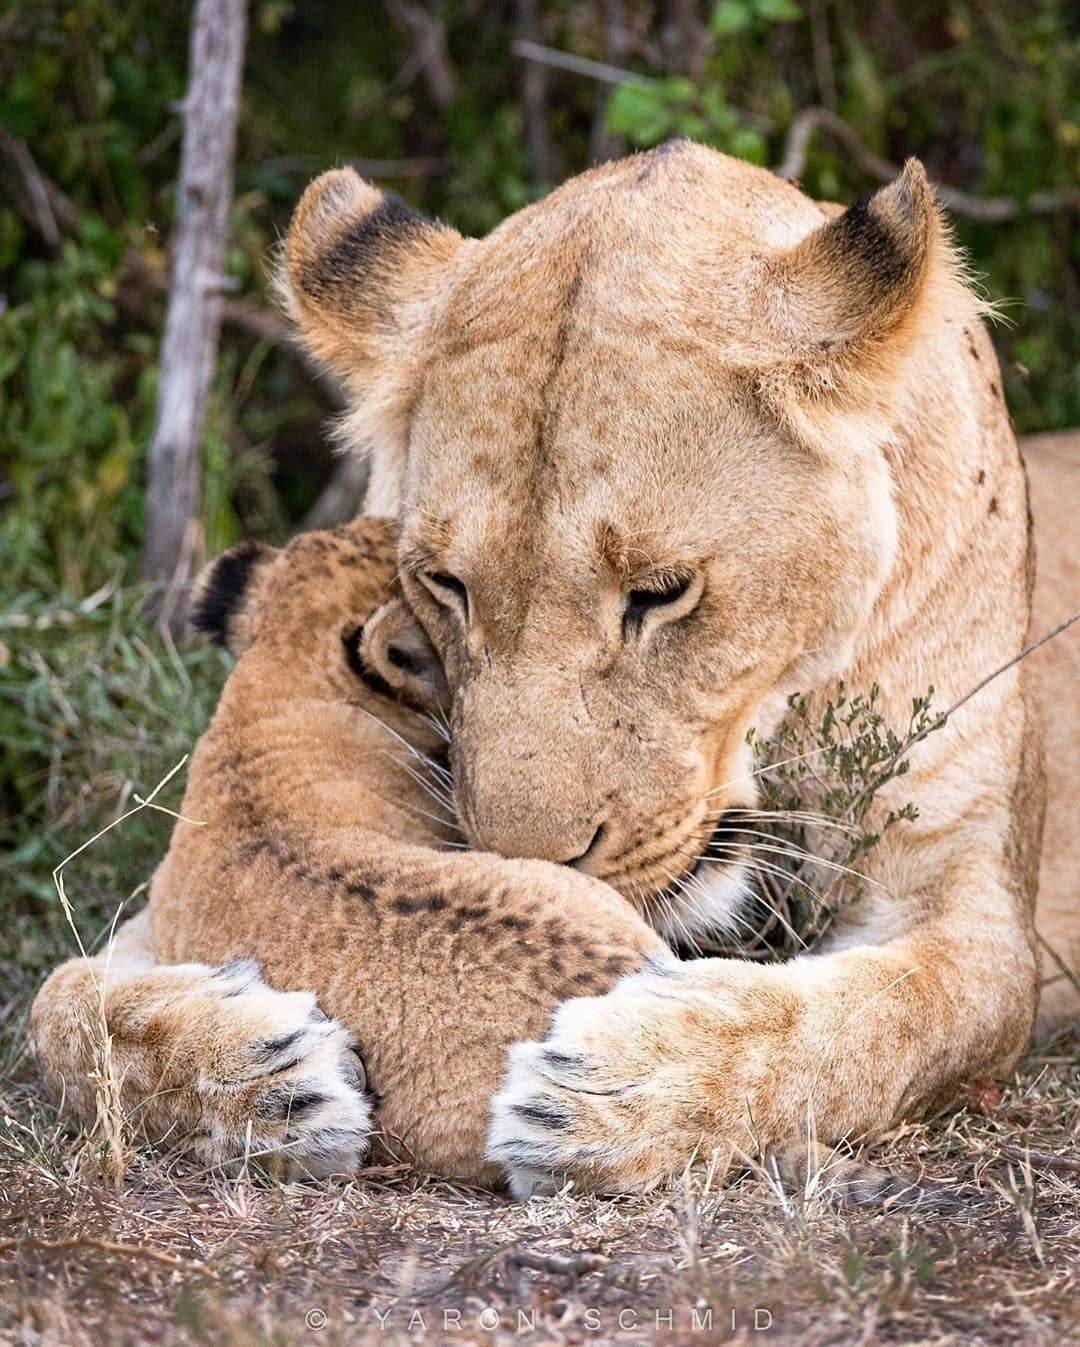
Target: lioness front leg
x=719, y=1056
x=207, y=1059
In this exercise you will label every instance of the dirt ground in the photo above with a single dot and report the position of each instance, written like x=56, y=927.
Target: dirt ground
x=165, y=1253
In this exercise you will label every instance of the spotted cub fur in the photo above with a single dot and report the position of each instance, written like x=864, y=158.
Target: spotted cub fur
x=317, y=864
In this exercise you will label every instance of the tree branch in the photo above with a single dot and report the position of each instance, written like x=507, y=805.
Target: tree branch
x=606, y=73
x=578, y=65
x=42, y=205
x=603, y=143
x=341, y=497
x=985, y=209
x=534, y=97
x=246, y=314
x=193, y=318
x=431, y=54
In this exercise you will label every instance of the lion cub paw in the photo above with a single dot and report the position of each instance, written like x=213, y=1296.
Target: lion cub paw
x=274, y=1078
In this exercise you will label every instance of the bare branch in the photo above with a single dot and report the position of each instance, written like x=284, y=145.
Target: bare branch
x=534, y=93
x=578, y=65
x=341, y=498
x=430, y=54
x=684, y=38
x=805, y=127
x=246, y=314
x=986, y=209
x=193, y=319
x=605, y=144
x=606, y=73
x=44, y=207
x=822, y=49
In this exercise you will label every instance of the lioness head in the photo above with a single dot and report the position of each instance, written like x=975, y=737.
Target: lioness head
x=635, y=439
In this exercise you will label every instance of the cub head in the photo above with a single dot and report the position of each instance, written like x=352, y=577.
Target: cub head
x=323, y=614
x=638, y=439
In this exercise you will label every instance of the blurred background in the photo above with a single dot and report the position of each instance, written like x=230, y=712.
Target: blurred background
x=468, y=110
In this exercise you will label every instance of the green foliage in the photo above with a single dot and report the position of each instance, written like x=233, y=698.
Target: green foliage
x=819, y=780
x=731, y=17
x=649, y=113
x=988, y=98
x=75, y=410
x=93, y=710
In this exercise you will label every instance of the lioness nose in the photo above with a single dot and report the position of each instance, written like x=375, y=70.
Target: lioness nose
x=545, y=839
x=580, y=862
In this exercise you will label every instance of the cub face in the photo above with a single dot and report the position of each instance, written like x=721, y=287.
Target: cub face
x=635, y=441
x=328, y=606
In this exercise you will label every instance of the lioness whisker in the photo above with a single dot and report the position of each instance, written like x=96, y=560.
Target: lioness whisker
x=786, y=877
x=667, y=898
x=769, y=767
x=694, y=882
x=800, y=816
x=783, y=846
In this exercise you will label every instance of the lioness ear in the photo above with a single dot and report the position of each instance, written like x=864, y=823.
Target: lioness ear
x=395, y=648
x=850, y=302
x=361, y=268
x=224, y=598
x=858, y=276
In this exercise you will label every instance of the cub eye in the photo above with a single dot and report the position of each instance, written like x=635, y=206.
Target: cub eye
x=447, y=589
x=667, y=592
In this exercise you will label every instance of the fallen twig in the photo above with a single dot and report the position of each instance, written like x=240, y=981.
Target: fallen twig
x=560, y=1265
x=101, y=1245
x=1042, y=1159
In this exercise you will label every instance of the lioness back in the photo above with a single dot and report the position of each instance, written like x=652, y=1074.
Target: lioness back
x=1053, y=465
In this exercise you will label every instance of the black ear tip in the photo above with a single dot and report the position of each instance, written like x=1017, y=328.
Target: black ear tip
x=220, y=589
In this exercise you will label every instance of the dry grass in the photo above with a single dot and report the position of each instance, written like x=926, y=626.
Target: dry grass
x=183, y=1256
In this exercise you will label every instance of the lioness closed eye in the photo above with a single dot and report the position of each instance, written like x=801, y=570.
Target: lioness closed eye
x=667, y=446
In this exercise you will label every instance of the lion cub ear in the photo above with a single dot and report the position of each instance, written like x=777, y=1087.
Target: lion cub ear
x=395, y=648
x=361, y=269
x=224, y=598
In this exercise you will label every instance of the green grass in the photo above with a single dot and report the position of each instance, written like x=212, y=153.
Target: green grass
x=94, y=710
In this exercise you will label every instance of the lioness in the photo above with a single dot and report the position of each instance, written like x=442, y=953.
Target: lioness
x=666, y=447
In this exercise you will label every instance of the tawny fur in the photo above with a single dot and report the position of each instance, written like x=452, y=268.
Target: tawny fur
x=675, y=365
x=1053, y=465
x=310, y=843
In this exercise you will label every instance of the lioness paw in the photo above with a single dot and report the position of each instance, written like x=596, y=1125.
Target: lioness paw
x=595, y=1103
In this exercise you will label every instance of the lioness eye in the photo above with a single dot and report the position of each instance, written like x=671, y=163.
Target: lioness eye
x=446, y=588
x=641, y=602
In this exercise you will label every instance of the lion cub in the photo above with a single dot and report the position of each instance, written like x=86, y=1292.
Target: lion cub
x=317, y=870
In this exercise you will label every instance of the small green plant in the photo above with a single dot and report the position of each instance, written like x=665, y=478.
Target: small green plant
x=819, y=777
